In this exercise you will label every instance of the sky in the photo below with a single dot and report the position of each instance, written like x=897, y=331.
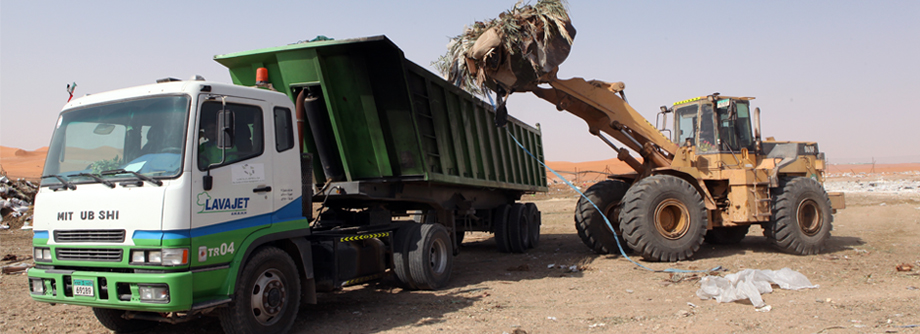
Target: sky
x=840, y=73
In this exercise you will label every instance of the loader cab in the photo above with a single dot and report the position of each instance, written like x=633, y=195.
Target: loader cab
x=714, y=124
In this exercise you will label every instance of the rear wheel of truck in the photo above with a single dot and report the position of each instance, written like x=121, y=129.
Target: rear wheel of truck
x=726, y=235
x=663, y=218
x=115, y=321
x=267, y=295
x=431, y=257
x=518, y=228
x=404, y=239
x=590, y=223
x=500, y=227
x=533, y=212
x=801, y=217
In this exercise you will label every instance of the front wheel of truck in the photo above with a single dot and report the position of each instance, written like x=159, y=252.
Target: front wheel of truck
x=115, y=321
x=267, y=295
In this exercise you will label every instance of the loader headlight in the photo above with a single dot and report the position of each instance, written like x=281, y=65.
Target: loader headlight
x=160, y=257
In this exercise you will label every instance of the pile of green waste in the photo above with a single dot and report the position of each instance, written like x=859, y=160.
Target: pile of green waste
x=512, y=52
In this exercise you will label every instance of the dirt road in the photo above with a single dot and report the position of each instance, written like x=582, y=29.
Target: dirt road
x=539, y=292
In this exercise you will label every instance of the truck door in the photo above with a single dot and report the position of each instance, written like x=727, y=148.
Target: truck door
x=240, y=199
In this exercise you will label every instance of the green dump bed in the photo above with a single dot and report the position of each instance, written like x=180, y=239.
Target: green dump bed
x=386, y=118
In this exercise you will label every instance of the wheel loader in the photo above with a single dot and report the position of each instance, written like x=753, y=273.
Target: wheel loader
x=710, y=181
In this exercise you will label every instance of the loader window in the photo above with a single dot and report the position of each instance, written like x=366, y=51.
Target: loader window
x=686, y=124
x=735, y=132
x=707, y=138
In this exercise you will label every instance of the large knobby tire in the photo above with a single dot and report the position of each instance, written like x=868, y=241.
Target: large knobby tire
x=590, y=223
x=518, y=228
x=114, y=320
x=801, y=217
x=500, y=227
x=663, y=218
x=405, y=237
x=533, y=212
x=267, y=295
x=431, y=257
x=726, y=235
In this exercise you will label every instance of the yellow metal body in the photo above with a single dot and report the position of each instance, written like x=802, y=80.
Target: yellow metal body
x=734, y=183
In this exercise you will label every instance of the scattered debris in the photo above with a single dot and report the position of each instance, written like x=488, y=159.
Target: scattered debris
x=551, y=318
x=904, y=267
x=16, y=268
x=750, y=284
x=16, y=198
x=600, y=324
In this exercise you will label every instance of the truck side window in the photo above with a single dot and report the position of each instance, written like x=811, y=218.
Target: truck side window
x=248, y=139
x=284, y=131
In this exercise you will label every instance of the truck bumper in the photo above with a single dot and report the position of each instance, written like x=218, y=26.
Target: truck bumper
x=112, y=290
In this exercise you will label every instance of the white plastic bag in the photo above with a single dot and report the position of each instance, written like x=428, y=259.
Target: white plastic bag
x=750, y=284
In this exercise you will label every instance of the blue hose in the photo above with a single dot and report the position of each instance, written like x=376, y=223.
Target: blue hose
x=607, y=221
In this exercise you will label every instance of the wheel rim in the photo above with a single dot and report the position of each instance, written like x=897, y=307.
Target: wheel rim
x=437, y=256
x=268, y=296
x=672, y=219
x=809, y=217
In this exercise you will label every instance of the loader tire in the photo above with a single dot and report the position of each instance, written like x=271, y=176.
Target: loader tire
x=431, y=257
x=726, y=235
x=590, y=223
x=801, y=217
x=663, y=218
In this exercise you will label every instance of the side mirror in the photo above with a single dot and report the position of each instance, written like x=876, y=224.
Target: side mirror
x=225, y=128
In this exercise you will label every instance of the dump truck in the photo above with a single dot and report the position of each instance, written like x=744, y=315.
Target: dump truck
x=713, y=178
x=174, y=200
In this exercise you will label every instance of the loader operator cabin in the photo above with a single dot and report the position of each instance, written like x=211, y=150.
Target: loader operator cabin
x=163, y=202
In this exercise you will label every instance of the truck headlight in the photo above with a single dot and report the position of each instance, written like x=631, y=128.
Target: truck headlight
x=42, y=254
x=154, y=293
x=38, y=286
x=160, y=257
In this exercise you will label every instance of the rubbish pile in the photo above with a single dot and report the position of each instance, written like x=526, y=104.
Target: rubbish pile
x=511, y=52
x=750, y=284
x=16, y=199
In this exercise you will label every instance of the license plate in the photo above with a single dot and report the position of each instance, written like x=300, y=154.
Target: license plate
x=83, y=287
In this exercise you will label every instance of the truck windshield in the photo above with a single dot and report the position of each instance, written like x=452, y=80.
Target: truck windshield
x=145, y=136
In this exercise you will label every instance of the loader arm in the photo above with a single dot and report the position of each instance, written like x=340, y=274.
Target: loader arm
x=598, y=104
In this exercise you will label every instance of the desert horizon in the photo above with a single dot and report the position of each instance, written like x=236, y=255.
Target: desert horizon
x=19, y=163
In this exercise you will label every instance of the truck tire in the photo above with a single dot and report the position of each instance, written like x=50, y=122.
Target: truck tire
x=663, y=218
x=518, y=228
x=535, y=222
x=113, y=320
x=726, y=235
x=431, y=258
x=801, y=217
x=267, y=295
x=402, y=242
x=590, y=223
x=500, y=227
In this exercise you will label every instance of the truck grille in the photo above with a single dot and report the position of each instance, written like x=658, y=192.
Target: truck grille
x=88, y=254
x=117, y=236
